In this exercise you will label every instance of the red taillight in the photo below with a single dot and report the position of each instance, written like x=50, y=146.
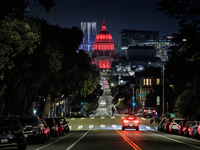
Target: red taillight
x=153, y=111
x=136, y=121
x=125, y=121
x=145, y=110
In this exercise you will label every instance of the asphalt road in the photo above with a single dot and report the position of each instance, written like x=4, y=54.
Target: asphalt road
x=104, y=133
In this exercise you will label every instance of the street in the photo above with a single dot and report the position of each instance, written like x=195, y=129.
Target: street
x=103, y=132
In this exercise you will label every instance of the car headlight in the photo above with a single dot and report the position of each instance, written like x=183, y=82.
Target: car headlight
x=53, y=128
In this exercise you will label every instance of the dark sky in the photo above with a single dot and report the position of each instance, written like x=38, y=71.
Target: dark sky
x=118, y=14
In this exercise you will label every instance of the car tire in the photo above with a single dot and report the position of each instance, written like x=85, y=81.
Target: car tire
x=67, y=131
x=23, y=147
x=123, y=128
x=137, y=129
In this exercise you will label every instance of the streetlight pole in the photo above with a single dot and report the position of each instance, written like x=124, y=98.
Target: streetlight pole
x=163, y=112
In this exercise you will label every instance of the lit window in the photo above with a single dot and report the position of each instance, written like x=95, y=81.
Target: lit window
x=158, y=81
x=146, y=81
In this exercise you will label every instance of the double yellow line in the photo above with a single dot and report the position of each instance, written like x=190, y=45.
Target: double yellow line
x=128, y=140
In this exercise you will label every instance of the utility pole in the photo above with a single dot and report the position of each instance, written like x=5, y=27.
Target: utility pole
x=163, y=112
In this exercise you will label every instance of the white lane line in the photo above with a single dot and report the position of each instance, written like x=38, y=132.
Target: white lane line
x=176, y=141
x=91, y=126
x=82, y=118
x=80, y=127
x=143, y=118
x=148, y=127
x=102, y=125
x=102, y=117
x=72, y=118
x=112, y=117
x=70, y=147
x=114, y=126
x=70, y=127
x=92, y=118
x=122, y=117
x=54, y=141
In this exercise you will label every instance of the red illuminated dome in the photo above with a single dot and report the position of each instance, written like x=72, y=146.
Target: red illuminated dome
x=104, y=40
x=103, y=35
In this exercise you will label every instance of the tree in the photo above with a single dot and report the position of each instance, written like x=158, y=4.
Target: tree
x=187, y=12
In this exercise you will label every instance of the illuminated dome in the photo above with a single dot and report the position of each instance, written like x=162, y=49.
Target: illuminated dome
x=103, y=35
x=104, y=40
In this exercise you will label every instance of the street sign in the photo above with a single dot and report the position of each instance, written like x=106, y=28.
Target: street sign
x=176, y=110
x=141, y=94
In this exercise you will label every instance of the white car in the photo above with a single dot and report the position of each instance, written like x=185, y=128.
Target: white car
x=193, y=130
x=174, y=124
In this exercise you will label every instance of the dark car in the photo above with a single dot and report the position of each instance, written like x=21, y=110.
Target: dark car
x=149, y=111
x=181, y=125
x=60, y=126
x=32, y=128
x=161, y=123
x=64, y=122
x=11, y=133
x=166, y=126
x=53, y=126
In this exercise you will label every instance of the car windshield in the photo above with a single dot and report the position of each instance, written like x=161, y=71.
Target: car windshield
x=27, y=120
x=9, y=124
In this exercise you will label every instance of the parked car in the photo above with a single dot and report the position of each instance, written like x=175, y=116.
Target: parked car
x=180, y=126
x=160, y=124
x=174, y=124
x=11, y=133
x=32, y=128
x=76, y=112
x=149, y=111
x=60, y=126
x=187, y=125
x=64, y=122
x=193, y=130
x=166, y=126
x=45, y=129
x=53, y=127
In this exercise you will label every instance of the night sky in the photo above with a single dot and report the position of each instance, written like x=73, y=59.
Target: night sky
x=118, y=14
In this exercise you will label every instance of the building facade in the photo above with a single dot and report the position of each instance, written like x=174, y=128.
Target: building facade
x=89, y=30
x=104, y=51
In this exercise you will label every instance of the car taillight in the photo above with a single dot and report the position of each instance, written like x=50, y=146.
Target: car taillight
x=145, y=110
x=153, y=111
x=137, y=121
x=125, y=121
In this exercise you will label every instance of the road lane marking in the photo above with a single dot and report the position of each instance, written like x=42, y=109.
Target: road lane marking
x=122, y=117
x=80, y=127
x=128, y=141
x=176, y=140
x=114, y=126
x=112, y=117
x=148, y=127
x=72, y=118
x=102, y=117
x=54, y=141
x=82, y=118
x=70, y=147
x=92, y=118
x=102, y=125
x=143, y=118
x=91, y=126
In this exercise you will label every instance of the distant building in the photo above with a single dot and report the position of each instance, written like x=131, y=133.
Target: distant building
x=141, y=53
x=89, y=30
x=133, y=37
